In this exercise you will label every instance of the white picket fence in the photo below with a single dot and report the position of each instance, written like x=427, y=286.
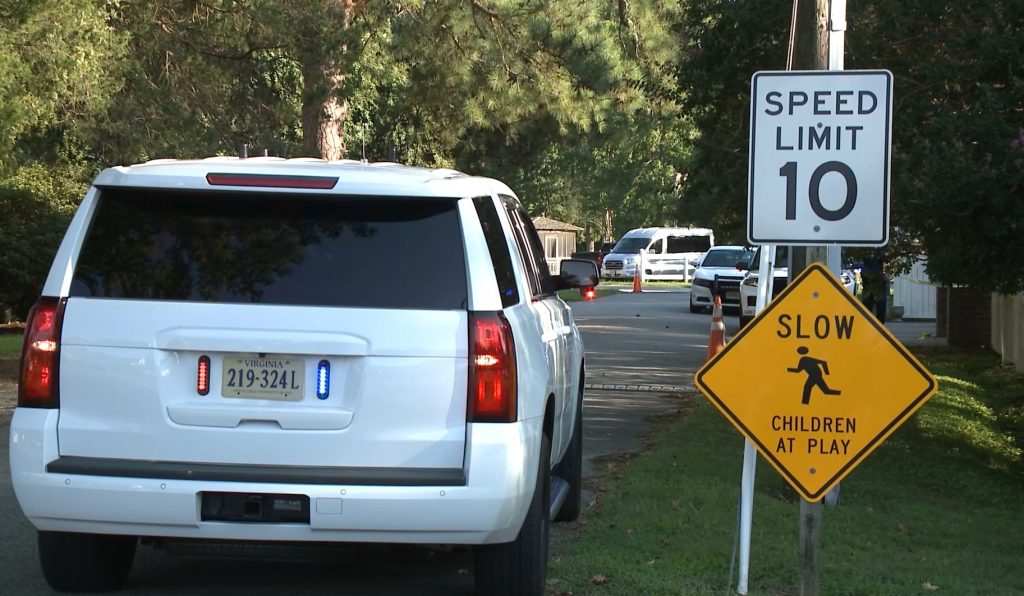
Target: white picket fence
x=1008, y=329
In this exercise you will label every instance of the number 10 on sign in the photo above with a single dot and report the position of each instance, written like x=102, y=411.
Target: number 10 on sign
x=819, y=157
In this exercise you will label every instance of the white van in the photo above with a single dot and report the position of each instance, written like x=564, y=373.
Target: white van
x=671, y=253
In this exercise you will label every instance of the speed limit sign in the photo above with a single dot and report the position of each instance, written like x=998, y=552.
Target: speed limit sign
x=819, y=157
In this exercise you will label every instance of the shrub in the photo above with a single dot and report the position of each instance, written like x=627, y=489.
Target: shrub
x=36, y=204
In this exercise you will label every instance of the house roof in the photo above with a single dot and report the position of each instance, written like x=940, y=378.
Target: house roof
x=546, y=223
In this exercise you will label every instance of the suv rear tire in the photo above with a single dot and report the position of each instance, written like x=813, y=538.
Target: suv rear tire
x=520, y=566
x=570, y=468
x=75, y=562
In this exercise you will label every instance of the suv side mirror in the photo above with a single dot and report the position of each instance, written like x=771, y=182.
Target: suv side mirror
x=577, y=273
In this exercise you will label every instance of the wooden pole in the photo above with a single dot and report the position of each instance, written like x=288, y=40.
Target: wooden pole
x=810, y=548
x=811, y=54
x=815, y=38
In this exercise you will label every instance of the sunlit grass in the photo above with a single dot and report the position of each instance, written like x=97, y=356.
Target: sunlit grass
x=10, y=345
x=573, y=295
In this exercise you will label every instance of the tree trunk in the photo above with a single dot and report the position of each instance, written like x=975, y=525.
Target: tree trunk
x=323, y=74
x=323, y=114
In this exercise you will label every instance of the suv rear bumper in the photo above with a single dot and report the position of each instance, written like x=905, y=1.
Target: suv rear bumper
x=488, y=507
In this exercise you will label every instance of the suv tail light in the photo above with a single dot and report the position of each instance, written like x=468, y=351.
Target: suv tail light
x=40, y=355
x=492, y=369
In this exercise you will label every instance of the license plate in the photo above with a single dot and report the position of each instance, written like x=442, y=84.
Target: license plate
x=732, y=295
x=262, y=377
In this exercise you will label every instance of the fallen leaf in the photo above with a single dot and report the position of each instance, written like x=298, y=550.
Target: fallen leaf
x=904, y=528
x=599, y=580
x=674, y=502
x=652, y=561
x=929, y=587
x=630, y=531
x=463, y=572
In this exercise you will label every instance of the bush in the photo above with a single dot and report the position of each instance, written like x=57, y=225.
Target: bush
x=36, y=204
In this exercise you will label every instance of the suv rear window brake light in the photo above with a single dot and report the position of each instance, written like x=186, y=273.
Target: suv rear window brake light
x=492, y=369
x=272, y=181
x=40, y=355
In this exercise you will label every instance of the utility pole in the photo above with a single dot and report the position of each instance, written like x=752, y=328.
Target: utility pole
x=813, y=39
x=811, y=54
x=815, y=28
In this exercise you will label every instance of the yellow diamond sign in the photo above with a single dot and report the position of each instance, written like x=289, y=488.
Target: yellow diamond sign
x=816, y=382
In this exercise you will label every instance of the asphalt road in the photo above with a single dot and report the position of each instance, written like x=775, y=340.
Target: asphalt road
x=648, y=343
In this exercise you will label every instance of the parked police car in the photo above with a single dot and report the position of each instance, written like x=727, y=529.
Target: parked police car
x=265, y=350
x=780, y=278
x=719, y=272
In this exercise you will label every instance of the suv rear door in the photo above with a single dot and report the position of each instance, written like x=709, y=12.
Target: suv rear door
x=265, y=287
x=551, y=312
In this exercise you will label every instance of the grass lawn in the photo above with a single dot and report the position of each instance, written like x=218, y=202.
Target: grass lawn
x=607, y=288
x=938, y=508
x=653, y=284
x=10, y=345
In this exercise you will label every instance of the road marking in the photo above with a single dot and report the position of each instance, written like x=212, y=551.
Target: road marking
x=634, y=387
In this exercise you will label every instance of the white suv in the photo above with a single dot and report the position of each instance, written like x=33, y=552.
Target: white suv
x=298, y=350
x=780, y=277
x=719, y=272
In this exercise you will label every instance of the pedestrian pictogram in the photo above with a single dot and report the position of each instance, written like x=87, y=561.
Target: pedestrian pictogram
x=816, y=371
x=815, y=382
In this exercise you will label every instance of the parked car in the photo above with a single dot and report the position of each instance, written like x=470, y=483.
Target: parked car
x=748, y=287
x=669, y=253
x=719, y=272
x=597, y=256
x=259, y=350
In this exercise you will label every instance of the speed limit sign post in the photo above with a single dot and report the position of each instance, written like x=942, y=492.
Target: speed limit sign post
x=819, y=157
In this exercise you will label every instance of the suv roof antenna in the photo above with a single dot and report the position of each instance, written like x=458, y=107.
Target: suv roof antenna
x=362, y=136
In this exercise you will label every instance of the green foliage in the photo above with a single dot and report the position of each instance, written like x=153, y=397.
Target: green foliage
x=630, y=170
x=203, y=80
x=958, y=151
x=36, y=204
x=566, y=103
x=723, y=44
x=959, y=98
x=498, y=65
x=56, y=70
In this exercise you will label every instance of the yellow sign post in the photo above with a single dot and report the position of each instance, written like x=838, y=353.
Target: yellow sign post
x=816, y=382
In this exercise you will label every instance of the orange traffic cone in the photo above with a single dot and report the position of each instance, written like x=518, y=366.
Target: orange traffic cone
x=636, y=280
x=716, y=339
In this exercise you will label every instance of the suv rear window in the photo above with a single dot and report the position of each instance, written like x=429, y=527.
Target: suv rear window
x=381, y=252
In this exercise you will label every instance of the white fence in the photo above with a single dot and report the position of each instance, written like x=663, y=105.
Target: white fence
x=915, y=292
x=1008, y=328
